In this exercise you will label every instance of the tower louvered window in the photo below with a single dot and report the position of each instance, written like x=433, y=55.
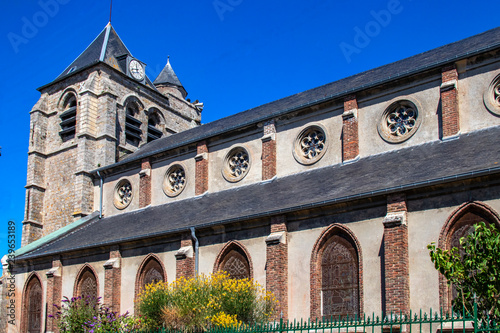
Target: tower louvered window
x=154, y=132
x=68, y=119
x=132, y=126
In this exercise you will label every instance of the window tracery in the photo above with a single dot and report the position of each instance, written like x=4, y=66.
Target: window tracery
x=491, y=96
x=340, y=283
x=236, y=164
x=399, y=121
x=87, y=284
x=310, y=145
x=34, y=306
x=123, y=194
x=175, y=180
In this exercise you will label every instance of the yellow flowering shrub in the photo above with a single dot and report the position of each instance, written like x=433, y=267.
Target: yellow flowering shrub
x=193, y=304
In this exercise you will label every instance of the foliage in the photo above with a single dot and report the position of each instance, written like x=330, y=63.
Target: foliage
x=86, y=314
x=206, y=301
x=476, y=272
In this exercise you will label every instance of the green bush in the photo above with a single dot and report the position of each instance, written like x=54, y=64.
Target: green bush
x=206, y=301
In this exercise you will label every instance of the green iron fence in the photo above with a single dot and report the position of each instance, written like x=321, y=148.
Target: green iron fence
x=432, y=322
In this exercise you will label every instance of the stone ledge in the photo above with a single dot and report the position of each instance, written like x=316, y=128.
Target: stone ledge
x=395, y=219
x=184, y=252
x=276, y=238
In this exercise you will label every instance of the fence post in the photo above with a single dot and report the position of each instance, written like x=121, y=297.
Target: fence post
x=475, y=314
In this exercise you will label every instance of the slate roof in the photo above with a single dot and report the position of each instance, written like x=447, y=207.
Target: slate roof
x=435, y=58
x=168, y=76
x=470, y=155
x=106, y=47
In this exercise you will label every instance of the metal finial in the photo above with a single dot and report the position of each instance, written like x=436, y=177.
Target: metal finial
x=110, y=10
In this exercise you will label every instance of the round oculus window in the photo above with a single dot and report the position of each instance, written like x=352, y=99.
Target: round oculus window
x=310, y=145
x=399, y=121
x=174, y=181
x=491, y=96
x=236, y=164
x=123, y=194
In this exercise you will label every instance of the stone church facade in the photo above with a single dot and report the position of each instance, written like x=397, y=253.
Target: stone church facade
x=328, y=198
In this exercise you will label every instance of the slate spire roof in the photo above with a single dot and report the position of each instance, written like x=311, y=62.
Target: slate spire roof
x=107, y=47
x=168, y=77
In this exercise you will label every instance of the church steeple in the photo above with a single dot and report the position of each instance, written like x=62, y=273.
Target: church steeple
x=107, y=47
x=168, y=82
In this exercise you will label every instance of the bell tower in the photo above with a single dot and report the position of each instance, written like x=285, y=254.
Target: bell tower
x=101, y=108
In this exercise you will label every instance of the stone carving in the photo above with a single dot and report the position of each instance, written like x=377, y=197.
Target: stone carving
x=175, y=181
x=123, y=194
x=491, y=96
x=310, y=145
x=237, y=164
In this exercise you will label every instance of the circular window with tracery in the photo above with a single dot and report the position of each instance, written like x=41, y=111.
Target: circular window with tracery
x=310, y=145
x=123, y=194
x=236, y=164
x=491, y=96
x=175, y=180
x=399, y=121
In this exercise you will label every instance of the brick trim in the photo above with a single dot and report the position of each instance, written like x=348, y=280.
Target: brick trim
x=76, y=287
x=54, y=294
x=145, y=183
x=350, y=137
x=140, y=271
x=315, y=273
x=396, y=256
x=443, y=242
x=450, y=117
x=269, y=151
x=201, y=168
x=184, y=266
x=277, y=266
x=24, y=307
x=112, y=282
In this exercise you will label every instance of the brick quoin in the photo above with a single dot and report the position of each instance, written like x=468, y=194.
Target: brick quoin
x=54, y=294
x=277, y=267
x=145, y=184
x=112, y=281
x=185, y=265
x=396, y=261
x=449, y=102
x=269, y=151
x=201, y=176
x=350, y=139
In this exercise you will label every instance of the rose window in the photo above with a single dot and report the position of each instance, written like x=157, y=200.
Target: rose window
x=175, y=181
x=237, y=164
x=399, y=121
x=491, y=96
x=310, y=145
x=123, y=194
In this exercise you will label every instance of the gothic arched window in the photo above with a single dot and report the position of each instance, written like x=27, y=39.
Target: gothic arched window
x=234, y=260
x=335, y=275
x=33, y=308
x=68, y=117
x=151, y=272
x=459, y=225
x=86, y=285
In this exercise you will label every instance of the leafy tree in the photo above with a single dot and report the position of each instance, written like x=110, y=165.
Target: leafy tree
x=475, y=273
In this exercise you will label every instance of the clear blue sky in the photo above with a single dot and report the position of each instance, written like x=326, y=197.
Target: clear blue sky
x=230, y=54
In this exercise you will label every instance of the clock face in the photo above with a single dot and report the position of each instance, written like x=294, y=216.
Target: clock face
x=136, y=70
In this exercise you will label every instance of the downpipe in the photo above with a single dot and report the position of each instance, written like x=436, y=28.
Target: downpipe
x=196, y=246
x=101, y=182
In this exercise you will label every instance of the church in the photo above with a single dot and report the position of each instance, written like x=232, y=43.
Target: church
x=328, y=198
